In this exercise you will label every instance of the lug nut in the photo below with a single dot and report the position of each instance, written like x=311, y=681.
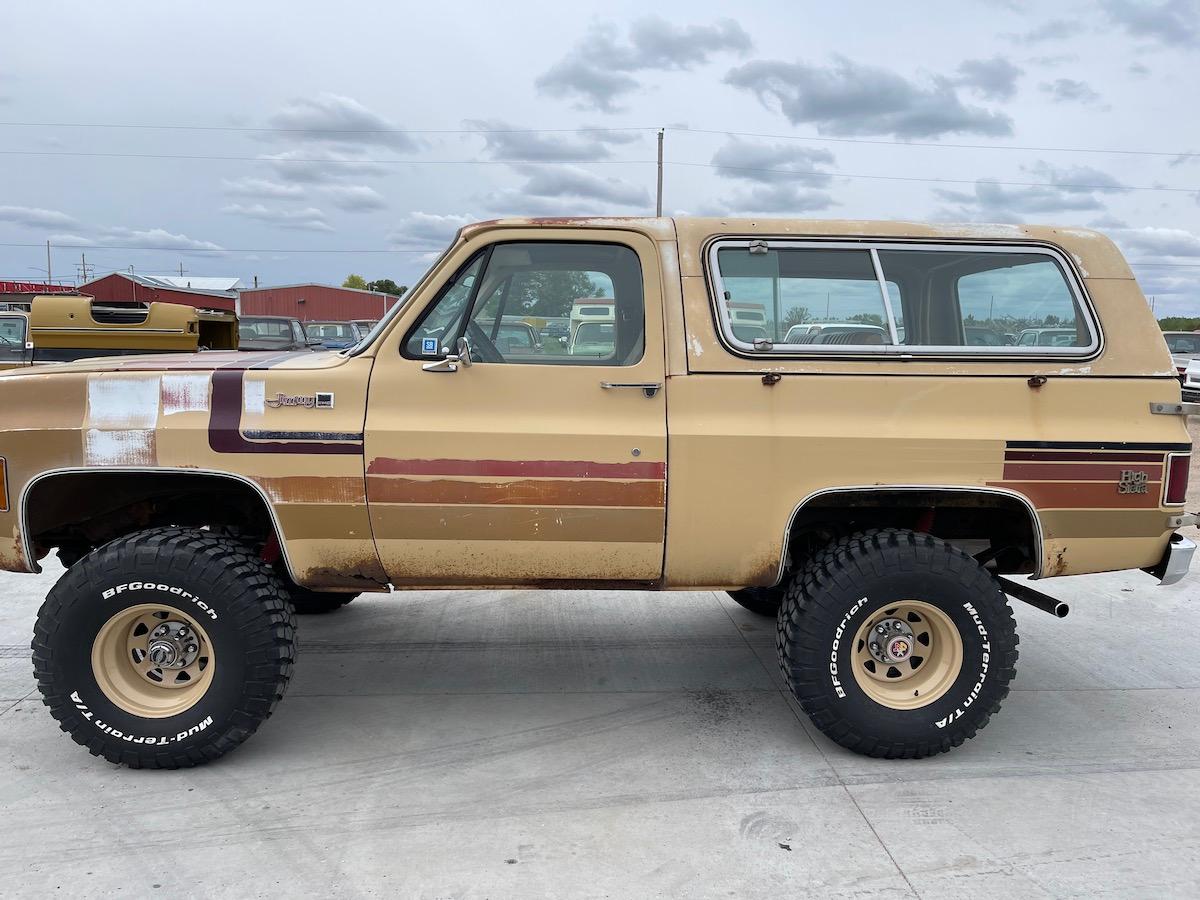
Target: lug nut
x=183, y=631
x=898, y=626
x=191, y=648
x=881, y=629
x=875, y=646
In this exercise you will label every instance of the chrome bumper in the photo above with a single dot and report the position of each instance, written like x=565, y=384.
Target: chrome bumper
x=1175, y=562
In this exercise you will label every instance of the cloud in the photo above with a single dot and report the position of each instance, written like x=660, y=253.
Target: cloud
x=36, y=217
x=1067, y=190
x=1174, y=22
x=315, y=165
x=354, y=197
x=1068, y=90
x=1172, y=242
x=332, y=118
x=597, y=70
x=505, y=141
x=992, y=79
x=261, y=188
x=1138, y=70
x=772, y=163
x=848, y=98
x=308, y=219
x=1053, y=30
x=152, y=237
x=773, y=199
x=566, y=191
x=422, y=228
x=573, y=181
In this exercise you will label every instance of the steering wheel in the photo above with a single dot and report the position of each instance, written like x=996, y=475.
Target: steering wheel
x=482, y=348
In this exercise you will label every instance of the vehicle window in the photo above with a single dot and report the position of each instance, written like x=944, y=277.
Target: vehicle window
x=503, y=299
x=330, y=331
x=12, y=332
x=972, y=298
x=297, y=332
x=265, y=329
x=802, y=296
x=1183, y=343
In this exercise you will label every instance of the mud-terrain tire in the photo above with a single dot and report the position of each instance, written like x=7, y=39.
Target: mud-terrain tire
x=218, y=612
x=762, y=601
x=949, y=615
x=309, y=603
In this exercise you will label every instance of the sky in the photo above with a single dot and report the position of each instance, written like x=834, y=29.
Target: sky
x=299, y=141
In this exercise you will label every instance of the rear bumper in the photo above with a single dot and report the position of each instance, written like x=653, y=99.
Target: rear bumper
x=1175, y=562
x=1191, y=394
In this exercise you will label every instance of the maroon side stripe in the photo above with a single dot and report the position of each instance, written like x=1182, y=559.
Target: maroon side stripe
x=225, y=424
x=1080, y=456
x=529, y=468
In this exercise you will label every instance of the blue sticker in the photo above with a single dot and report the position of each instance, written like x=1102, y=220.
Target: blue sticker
x=429, y=346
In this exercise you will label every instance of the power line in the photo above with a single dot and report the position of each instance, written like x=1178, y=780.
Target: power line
x=794, y=173
x=100, y=247
x=601, y=129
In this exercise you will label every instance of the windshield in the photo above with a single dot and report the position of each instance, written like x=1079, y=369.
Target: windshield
x=1184, y=343
x=265, y=329
x=330, y=331
x=12, y=331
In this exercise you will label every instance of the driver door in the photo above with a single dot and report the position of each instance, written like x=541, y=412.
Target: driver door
x=522, y=462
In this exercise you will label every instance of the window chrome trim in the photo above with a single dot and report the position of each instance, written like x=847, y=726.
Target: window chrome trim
x=902, y=351
x=23, y=513
x=1039, y=540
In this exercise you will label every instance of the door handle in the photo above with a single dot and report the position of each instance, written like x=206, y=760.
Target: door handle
x=649, y=388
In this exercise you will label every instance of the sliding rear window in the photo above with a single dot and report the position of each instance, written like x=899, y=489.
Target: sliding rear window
x=796, y=298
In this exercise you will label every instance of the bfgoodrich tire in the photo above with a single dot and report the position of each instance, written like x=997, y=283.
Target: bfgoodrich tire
x=163, y=649
x=896, y=644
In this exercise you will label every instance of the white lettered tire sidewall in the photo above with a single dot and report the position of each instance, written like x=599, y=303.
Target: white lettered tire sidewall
x=976, y=682
x=212, y=710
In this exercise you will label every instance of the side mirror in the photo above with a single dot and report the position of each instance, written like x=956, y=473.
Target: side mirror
x=451, y=362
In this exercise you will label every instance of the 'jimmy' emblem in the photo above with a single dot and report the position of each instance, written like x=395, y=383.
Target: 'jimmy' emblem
x=1132, y=482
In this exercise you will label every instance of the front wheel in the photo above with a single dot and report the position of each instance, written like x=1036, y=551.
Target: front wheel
x=163, y=649
x=896, y=644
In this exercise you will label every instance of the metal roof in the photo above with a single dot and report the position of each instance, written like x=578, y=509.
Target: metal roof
x=221, y=286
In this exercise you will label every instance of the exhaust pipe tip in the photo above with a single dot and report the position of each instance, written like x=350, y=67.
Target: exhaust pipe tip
x=1061, y=609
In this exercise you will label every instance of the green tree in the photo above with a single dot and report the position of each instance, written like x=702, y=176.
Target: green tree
x=549, y=293
x=355, y=281
x=1180, y=323
x=387, y=286
x=867, y=319
x=797, y=315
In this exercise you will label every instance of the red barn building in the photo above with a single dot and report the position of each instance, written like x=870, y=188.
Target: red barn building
x=122, y=287
x=316, y=302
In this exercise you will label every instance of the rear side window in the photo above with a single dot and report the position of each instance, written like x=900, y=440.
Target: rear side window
x=801, y=299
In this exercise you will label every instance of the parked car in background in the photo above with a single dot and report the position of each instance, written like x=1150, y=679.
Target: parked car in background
x=979, y=336
x=512, y=335
x=1191, y=382
x=272, y=333
x=824, y=332
x=364, y=325
x=334, y=335
x=1047, y=337
x=1184, y=347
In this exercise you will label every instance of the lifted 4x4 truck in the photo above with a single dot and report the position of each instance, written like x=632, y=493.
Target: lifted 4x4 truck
x=873, y=493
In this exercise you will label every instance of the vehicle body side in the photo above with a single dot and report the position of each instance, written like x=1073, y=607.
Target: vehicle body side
x=762, y=450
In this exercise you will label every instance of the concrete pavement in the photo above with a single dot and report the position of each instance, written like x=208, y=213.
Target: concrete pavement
x=602, y=744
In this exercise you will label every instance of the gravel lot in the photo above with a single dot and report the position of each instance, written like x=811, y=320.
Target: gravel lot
x=601, y=744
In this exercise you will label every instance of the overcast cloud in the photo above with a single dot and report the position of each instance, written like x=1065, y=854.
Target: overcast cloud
x=365, y=127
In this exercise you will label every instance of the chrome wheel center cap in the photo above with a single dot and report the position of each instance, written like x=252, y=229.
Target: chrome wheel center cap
x=891, y=641
x=173, y=645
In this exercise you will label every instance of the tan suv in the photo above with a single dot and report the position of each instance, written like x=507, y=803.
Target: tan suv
x=873, y=493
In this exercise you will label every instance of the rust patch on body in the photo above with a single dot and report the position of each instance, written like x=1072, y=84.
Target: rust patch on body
x=524, y=492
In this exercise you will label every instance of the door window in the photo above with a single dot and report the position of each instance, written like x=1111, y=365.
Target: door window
x=511, y=301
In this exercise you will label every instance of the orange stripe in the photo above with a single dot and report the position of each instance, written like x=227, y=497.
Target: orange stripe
x=528, y=492
x=1082, y=494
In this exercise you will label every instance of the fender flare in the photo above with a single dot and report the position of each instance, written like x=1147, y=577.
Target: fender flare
x=1038, y=537
x=22, y=502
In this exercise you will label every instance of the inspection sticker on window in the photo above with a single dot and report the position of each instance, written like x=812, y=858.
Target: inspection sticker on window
x=429, y=346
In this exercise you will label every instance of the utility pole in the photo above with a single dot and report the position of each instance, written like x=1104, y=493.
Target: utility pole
x=83, y=267
x=49, y=277
x=658, y=203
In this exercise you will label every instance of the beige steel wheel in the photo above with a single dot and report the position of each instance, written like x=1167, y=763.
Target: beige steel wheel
x=153, y=661
x=907, y=655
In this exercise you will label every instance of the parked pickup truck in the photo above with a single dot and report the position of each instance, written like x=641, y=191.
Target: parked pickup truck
x=59, y=328
x=876, y=498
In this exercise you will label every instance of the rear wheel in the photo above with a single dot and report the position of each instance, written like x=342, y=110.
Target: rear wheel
x=163, y=649
x=896, y=644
